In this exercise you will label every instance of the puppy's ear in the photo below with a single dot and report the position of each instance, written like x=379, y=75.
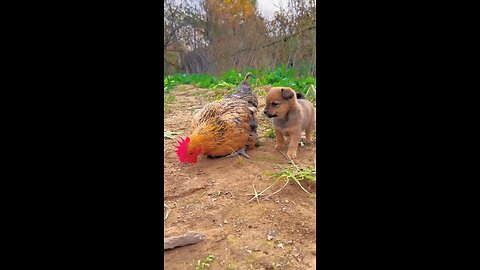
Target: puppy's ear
x=287, y=93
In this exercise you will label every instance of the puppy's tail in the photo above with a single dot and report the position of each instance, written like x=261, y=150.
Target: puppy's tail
x=300, y=95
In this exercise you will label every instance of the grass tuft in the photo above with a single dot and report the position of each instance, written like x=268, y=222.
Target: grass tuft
x=292, y=173
x=206, y=263
x=270, y=133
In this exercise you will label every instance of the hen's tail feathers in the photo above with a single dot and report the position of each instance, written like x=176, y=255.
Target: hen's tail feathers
x=249, y=75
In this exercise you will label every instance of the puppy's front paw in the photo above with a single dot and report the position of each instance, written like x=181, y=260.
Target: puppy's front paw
x=292, y=154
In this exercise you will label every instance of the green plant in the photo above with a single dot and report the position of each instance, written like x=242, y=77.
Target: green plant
x=168, y=99
x=270, y=133
x=223, y=84
x=206, y=263
x=294, y=173
x=170, y=134
x=280, y=76
x=260, y=142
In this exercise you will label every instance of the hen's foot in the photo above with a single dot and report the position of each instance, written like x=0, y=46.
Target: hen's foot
x=239, y=152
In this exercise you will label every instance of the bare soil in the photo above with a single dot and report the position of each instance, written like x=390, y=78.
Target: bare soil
x=210, y=197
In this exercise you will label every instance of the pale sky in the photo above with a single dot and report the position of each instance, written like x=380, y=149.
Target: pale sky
x=267, y=7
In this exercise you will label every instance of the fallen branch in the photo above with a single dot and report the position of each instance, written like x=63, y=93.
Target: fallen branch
x=168, y=210
x=184, y=240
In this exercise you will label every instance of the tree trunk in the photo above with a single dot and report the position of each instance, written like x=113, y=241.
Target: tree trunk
x=313, y=61
x=165, y=61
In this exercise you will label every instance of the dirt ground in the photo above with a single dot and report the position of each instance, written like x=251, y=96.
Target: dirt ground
x=210, y=197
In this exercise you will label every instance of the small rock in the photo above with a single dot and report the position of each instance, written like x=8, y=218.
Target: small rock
x=271, y=235
x=225, y=221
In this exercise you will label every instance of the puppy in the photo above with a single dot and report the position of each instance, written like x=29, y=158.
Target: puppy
x=291, y=114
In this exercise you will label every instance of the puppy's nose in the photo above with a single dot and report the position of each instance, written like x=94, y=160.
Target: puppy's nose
x=265, y=111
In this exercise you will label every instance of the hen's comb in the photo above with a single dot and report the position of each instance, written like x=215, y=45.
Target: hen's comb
x=182, y=149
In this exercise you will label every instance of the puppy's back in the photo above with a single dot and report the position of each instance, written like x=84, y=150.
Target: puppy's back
x=308, y=109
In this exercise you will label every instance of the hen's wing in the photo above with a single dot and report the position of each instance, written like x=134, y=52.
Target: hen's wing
x=225, y=126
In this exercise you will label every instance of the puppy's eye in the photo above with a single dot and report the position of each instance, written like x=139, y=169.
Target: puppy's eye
x=274, y=104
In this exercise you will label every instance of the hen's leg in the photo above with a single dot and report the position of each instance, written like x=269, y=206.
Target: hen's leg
x=252, y=141
x=239, y=152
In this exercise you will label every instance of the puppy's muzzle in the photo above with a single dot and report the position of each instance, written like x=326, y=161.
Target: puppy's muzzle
x=269, y=115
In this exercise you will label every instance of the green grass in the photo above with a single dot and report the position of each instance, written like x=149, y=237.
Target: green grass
x=270, y=133
x=167, y=99
x=170, y=134
x=230, y=80
x=296, y=174
x=292, y=173
x=206, y=263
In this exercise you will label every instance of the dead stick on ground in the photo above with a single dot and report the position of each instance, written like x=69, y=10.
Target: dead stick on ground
x=254, y=190
x=179, y=241
x=257, y=194
x=286, y=157
x=168, y=210
x=286, y=183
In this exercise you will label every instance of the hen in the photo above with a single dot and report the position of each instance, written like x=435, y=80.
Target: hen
x=223, y=127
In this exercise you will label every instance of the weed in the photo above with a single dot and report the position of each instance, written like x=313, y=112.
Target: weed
x=230, y=79
x=206, y=263
x=224, y=85
x=260, y=142
x=270, y=133
x=170, y=134
x=294, y=173
x=167, y=99
x=260, y=92
x=311, y=93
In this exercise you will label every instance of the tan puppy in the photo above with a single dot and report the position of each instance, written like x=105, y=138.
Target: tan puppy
x=292, y=113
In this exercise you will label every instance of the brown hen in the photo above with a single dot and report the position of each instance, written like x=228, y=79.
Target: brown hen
x=223, y=127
